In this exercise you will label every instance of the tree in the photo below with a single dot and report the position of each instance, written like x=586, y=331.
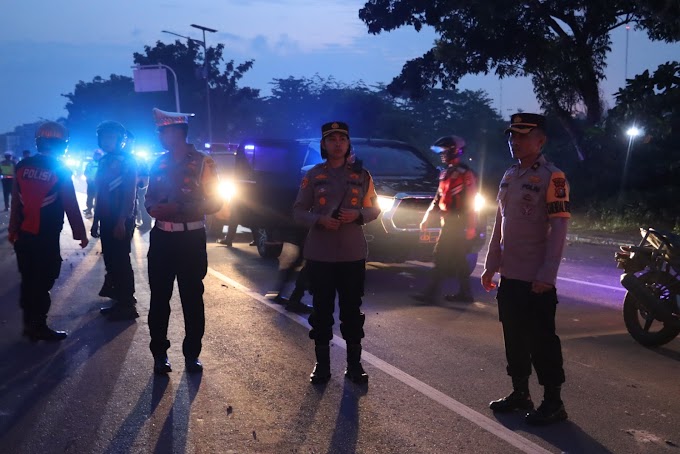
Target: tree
x=561, y=44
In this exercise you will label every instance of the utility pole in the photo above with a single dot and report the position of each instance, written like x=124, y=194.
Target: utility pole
x=207, y=79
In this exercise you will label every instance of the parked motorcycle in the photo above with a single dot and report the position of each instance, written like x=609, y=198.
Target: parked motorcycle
x=651, y=307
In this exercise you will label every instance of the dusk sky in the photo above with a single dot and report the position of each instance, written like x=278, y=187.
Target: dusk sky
x=47, y=47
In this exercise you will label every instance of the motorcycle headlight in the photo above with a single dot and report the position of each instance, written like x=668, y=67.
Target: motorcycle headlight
x=385, y=203
x=227, y=189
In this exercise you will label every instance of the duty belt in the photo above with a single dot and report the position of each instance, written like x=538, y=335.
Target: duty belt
x=179, y=226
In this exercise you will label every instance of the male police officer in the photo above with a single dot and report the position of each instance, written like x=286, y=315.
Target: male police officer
x=455, y=201
x=7, y=167
x=526, y=248
x=115, y=183
x=334, y=201
x=42, y=193
x=183, y=188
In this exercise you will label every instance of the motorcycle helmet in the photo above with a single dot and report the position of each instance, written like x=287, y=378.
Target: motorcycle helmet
x=113, y=127
x=51, y=136
x=451, y=146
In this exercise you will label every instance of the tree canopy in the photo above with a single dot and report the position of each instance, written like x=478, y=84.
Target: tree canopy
x=561, y=45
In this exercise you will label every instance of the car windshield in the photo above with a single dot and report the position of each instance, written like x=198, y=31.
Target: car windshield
x=392, y=160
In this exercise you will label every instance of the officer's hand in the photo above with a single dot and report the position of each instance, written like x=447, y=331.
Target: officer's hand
x=94, y=231
x=329, y=222
x=348, y=215
x=13, y=237
x=423, y=225
x=164, y=210
x=540, y=287
x=470, y=233
x=119, y=230
x=84, y=242
x=487, y=280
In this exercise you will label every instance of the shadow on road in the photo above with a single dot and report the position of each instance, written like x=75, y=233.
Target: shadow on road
x=346, y=431
x=566, y=436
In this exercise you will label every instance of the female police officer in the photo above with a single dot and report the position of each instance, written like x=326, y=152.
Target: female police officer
x=334, y=201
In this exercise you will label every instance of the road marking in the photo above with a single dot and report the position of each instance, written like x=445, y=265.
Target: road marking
x=491, y=426
x=566, y=279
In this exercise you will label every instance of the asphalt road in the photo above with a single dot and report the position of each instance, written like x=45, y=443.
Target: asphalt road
x=433, y=369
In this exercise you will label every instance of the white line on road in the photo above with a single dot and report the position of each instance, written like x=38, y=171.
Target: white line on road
x=491, y=426
x=566, y=279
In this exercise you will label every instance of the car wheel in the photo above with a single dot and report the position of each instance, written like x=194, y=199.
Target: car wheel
x=265, y=247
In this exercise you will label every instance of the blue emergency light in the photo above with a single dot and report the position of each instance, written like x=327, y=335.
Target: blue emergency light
x=249, y=147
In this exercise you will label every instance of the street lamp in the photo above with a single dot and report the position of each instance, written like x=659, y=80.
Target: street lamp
x=632, y=133
x=205, y=69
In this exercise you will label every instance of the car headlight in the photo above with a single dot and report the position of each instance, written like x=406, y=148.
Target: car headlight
x=385, y=203
x=227, y=189
x=480, y=202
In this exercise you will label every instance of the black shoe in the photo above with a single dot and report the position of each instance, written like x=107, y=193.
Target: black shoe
x=108, y=291
x=321, y=374
x=547, y=413
x=252, y=243
x=460, y=298
x=161, y=365
x=356, y=373
x=225, y=242
x=193, y=366
x=427, y=299
x=299, y=307
x=119, y=312
x=517, y=400
x=44, y=333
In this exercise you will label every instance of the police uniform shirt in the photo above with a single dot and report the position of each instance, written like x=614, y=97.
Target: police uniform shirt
x=191, y=183
x=116, y=180
x=322, y=191
x=523, y=246
x=43, y=191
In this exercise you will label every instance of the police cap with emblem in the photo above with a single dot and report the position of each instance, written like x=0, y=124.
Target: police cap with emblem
x=163, y=118
x=334, y=126
x=524, y=123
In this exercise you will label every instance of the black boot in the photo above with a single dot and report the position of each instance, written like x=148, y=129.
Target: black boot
x=518, y=399
x=355, y=372
x=322, y=369
x=161, y=365
x=107, y=290
x=43, y=332
x=551, y=409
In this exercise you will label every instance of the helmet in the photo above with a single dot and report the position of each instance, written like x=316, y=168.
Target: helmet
x=112, y=126
x=115, y=128
x=452, y=146
x=52, y=130
x=51, y=136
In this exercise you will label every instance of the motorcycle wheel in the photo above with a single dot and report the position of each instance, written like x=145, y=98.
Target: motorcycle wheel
x=641, y=325
x=266, y=249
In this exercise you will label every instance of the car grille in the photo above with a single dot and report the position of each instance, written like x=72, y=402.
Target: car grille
x=410, y=212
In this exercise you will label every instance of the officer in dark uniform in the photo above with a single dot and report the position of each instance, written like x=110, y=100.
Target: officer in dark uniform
x=183, y=188
x=334, y=201
x=115, y=216
x=526, y=248
x=7, y=168
x=42, y=193
x=455, y=202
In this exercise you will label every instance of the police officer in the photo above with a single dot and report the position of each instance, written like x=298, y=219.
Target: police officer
x=455, y=202
x=42, y=193
x=115, y=207
x=526, y=248
x=90, y=177
x=334, y=201
x=183, y=188
x=7, y=167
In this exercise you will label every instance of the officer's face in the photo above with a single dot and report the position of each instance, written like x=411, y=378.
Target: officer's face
x=523, y=146
x=171, y=137
x=336, y=145
x=109, y=141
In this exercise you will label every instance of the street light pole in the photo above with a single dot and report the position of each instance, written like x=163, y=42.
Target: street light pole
x=205, y=69
x=207, y=80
